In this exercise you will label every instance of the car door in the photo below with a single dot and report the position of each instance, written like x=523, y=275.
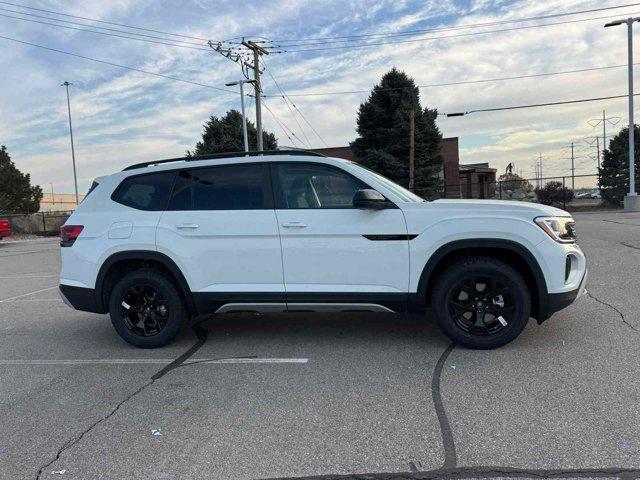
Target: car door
x=221, y=228
x=331, y=251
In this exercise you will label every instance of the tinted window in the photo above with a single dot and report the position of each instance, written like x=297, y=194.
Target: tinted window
x=145, y=192
x=233, y=187
x=316, y=186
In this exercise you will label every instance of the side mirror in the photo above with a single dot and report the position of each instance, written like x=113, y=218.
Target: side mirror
x=369, y=199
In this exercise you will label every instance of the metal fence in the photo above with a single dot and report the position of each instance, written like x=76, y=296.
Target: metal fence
x=41, y=223
x=567, y=192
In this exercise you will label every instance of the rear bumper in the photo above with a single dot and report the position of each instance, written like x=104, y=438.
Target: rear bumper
x=80, y=298
x=555, y=302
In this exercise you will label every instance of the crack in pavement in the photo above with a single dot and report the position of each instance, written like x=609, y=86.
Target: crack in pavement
x=202, y=336
x=450, y=470
x=448, y=442
x=630, y=246
x=624, y=320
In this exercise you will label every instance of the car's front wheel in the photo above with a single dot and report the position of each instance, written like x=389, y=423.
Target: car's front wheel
x=146, y=309
x=481, y=303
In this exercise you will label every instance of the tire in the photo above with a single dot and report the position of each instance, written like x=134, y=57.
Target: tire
x=146, y=309
x=474, y=317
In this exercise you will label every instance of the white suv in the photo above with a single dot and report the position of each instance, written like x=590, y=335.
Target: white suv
x=295, y=231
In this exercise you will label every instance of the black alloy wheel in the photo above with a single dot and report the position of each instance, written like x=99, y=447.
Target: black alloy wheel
x=481, y=302
x=144, y=310
x=147, y=308
x=481, y=305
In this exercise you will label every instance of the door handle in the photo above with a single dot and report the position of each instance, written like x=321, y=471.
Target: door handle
x=294, y=225
x=187, y=225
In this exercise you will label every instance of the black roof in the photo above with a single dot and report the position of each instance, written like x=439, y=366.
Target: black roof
x=235, y=154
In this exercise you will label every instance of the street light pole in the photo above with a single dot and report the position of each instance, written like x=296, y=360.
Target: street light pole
x=631, y=201
x=73, y=153
x=244, y=115
x=632, y=180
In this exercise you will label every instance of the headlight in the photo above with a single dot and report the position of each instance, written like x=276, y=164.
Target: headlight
x=561, y=229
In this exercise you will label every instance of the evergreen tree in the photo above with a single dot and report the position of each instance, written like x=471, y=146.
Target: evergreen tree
x=383, y=135
x=613, y=176
x=224, y=134
x=16, y=193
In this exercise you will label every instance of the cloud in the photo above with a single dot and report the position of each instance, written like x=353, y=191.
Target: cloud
x=123, y=117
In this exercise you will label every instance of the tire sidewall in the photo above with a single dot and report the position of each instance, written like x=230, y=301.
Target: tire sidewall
x=492, y=268
x=164, y=285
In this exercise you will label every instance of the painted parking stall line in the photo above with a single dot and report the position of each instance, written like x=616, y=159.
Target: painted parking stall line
x=27, y=294
x=26, y=275
x=152, y=361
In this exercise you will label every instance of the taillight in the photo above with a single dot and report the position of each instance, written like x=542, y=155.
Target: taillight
x=69, y=233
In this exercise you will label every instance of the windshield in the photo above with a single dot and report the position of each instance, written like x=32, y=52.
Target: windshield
x=404, y=194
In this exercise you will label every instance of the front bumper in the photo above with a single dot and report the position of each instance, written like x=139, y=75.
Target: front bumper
x=555, y=302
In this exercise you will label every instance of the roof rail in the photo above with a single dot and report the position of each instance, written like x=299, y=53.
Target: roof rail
x=252, y=153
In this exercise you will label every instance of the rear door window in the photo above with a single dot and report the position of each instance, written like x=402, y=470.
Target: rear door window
x=145, y=192
x=228, y=187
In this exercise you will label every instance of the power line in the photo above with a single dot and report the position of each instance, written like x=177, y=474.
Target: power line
x=284, y=127
x=534, y=105
x=463, y=82
x=168, y=77
x=103, y=21
x=287, y=103
x=297, y=109
x=103, y=33
x=457, y=27
x=425, y=39
x=96, y=26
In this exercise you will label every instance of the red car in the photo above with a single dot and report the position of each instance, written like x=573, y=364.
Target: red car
x=5, y=230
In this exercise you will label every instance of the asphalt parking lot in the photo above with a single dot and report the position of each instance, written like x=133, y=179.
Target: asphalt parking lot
x=352, y=396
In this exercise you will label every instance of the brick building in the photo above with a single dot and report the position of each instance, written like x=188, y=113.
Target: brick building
x=461, y=181
x=58, y=202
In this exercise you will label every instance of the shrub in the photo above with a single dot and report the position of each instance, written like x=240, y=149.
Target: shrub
x=553, y=193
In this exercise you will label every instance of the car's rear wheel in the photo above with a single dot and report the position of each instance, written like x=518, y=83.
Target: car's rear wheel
x=481, y=303
x=146, y=309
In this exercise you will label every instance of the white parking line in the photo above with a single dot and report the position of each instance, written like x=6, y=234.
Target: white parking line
x=248, y=360
x=96, y=361
x=27, y=276
x=151, y=361
x=27, y=294
x=57, y=300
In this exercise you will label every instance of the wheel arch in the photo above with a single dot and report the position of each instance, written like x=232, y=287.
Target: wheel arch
x=511, y=252
x=122, y=262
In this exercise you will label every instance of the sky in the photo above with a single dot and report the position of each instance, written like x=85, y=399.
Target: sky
x=121, y=117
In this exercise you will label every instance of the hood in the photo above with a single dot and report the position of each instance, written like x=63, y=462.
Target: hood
x=503, y=206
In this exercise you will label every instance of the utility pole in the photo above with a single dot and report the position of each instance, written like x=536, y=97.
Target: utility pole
x=246, y=63
x=631, y=201
x=412, y=146
x=594, y=122
x=590, y=141
x=257, y=51
x=604, y=129
x=53, y=198
x=244, y=115
x=73, y=153
x=541, y=182
x=573, y=170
